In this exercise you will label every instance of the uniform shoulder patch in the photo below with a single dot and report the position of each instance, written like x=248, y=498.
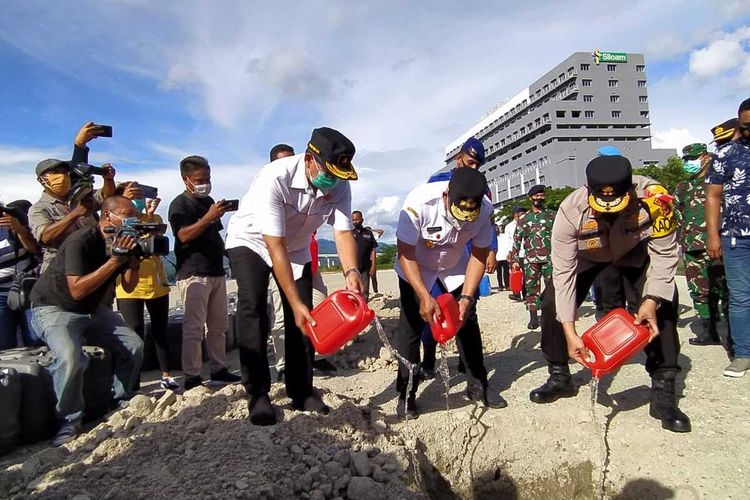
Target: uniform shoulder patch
x=659, y=204
x=412, y=211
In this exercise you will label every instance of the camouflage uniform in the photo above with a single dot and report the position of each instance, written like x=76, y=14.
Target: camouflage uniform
x=705, y=278
x=534, y=231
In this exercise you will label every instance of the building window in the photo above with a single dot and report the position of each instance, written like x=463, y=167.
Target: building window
x=611, y=67
x=570, y=71
x=585, y=67
x=613, y=83
x=588, y=98
x=614, y=98
x=561, y=77
x=585, y=83
x=560, y=114
x=641, y=83
x=615, y=114
x=642, y=98
x=575, y=114
x=545, y=89
x=640, y=68
x=644, y=114
x=588, y=114
x=554, y=82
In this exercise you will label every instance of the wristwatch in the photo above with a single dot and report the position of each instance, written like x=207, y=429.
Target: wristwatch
x=467, y=297
x=349, y=271
x=658, y=300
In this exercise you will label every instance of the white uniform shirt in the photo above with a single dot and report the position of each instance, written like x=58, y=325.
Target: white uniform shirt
x=440, y=239
x=281, y=202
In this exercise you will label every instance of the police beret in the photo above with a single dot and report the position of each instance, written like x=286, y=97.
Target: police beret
x=474, y=148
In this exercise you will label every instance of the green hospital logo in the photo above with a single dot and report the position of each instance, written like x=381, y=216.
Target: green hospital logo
x=609, y=57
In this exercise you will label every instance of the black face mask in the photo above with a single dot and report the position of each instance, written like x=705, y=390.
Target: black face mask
x=538, y=203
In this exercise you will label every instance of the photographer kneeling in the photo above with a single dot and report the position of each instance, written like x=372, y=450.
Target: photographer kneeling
x=67, y=312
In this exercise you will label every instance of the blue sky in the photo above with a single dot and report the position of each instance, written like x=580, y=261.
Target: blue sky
x=402, y=79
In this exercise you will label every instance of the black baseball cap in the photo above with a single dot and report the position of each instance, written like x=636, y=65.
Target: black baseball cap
x=49, y=164
x=609, y=178
x=334, y=150
x=465, y=192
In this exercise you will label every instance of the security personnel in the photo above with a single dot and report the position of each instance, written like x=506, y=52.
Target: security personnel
x=436, y=222
x=288, y=200
x=627, y=221
x=705, y=277
x=534, y=231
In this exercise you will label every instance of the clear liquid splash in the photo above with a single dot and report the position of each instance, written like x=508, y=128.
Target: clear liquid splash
x=412, y=367
x=600, y=426
x=445, y=373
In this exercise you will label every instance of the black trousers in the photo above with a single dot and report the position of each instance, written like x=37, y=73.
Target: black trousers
x=158, y=310
x=661, y=353
x=408, y=338
x=503, y=274
x=253, y=274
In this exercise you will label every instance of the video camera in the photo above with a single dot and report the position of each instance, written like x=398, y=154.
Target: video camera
x=87, y=170
x=148, y=237
x=13, y=212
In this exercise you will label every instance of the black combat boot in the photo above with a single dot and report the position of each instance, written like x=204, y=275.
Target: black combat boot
x=533, y=319
x=708, y=334
x=485, y=396
x=558, y=385
x=664, y=403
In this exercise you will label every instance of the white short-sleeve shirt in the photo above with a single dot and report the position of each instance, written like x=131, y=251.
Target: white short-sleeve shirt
x=440, y=240
x=281, y=202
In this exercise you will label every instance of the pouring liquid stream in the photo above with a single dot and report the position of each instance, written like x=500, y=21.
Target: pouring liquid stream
x=445, y=373
x=412, y=367
x=601, y=431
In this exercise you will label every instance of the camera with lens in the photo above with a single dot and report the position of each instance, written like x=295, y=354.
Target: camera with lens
x=87, y=170
x=148, y=236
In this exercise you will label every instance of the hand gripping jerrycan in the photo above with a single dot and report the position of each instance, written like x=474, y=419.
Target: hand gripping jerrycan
x=446, y=329
x=612, y=340
x=338, y=319
x=516, y=281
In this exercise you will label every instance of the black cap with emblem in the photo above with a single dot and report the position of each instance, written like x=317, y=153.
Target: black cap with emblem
x=334, y=150
x=466, y=190
x=609, y=178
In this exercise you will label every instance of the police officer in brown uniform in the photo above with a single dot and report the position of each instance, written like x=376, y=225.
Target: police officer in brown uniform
x=626, y=221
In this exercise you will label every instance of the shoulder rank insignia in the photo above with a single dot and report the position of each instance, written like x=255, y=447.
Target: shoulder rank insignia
x=412, y=211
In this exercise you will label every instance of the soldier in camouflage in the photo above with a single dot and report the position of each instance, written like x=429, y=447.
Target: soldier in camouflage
x=705, y=277
x=534, y=231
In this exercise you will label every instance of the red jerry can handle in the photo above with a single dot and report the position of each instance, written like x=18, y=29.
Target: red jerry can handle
x=445, y=329
x=339, y=318
x=516, y=281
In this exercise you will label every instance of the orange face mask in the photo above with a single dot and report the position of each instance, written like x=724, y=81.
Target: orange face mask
x=58, y=184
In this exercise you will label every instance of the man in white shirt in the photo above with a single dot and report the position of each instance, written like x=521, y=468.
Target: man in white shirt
x=288, y=200
x=437, y=221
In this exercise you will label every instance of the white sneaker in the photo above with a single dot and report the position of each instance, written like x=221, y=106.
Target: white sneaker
x=737, y=368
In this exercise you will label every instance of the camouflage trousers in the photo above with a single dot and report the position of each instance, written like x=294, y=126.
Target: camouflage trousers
x=533, y=274
x=706, y=283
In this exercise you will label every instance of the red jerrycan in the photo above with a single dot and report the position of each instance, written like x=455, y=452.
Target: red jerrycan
x=338, y=319
x=516, y=281
x=612, y=340
x=446, y=329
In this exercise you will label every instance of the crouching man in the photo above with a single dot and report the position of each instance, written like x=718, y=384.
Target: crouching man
x=68, y=313
x=625, y=221
x=436, y=223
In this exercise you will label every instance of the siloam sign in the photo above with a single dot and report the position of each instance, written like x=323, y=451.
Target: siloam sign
x=609, y=57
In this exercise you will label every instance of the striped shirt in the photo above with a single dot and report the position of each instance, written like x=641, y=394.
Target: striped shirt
x=9, y=262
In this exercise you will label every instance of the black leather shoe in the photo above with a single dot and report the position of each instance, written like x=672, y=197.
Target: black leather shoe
x=664, y=404
x=533, y=320
x=405, y=413
x=707, y=336
x=312, y=403
x=558, y=385
x=261, y=410
x=488, y=398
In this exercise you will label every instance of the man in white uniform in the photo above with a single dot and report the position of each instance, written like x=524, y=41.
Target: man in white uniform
x=437, y=221
x=288, y=200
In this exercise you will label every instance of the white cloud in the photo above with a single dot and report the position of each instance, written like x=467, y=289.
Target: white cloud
x=674, y=138
x=725, y=53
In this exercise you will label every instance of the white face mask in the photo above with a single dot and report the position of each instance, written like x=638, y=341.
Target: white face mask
x=201, y=190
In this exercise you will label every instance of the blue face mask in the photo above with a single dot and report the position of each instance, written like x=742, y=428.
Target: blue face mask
x=140, y=205
x=324, y=182
x=126, y=221
x=692, y=167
